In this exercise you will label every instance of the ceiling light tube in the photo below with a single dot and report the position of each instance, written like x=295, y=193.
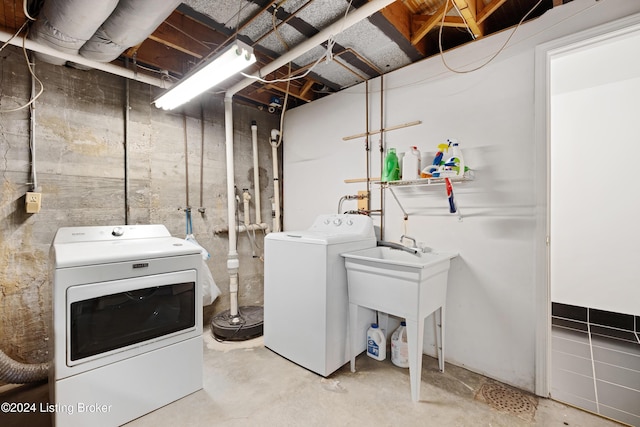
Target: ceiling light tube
x=235, y=59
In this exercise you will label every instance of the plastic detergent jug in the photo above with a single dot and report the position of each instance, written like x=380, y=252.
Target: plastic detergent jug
x=411, y=164
x=376, y=343
x=399, y=346
x=391, y=170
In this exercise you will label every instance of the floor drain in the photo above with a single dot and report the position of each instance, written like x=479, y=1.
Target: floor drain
x=507, y=399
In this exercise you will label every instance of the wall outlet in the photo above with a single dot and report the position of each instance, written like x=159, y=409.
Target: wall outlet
x=33, y=202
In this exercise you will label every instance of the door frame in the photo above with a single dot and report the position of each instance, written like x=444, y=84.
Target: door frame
x=544, y=55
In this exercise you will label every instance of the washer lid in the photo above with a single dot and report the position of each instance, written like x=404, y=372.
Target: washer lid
x=317, y=237
x=331, y=229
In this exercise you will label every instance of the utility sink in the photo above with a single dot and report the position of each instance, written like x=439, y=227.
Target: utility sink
x=392, y=256
x=412, y=286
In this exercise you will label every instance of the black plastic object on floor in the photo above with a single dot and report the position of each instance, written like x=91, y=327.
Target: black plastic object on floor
x=247, y=325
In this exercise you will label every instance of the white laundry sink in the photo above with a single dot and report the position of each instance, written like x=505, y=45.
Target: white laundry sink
x=403, y=284
x=392, y=280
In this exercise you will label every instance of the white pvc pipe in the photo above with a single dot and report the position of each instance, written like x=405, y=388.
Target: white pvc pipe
x=246, y=198
x=232, y=259
x=106, y=67
x=324, y=35
x=256, y=171
x=334, y=29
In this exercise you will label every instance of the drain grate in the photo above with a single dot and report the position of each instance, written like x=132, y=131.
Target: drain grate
x=507, y=399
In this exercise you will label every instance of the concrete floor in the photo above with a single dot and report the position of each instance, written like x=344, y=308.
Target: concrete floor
x=246, y=384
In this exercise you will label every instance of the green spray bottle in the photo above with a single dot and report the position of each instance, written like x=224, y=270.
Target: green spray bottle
x=391, y=170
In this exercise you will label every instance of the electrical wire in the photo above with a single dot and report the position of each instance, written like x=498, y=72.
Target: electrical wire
x=26, y=56
x=328, y=56
x=466, y=24
x=288, y=79
x=14, y=36
x=444, y=62
x=438, y=75
x=26, y=11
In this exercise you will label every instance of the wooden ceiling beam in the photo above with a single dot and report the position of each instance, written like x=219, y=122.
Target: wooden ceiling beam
x=160, y=56
x=467, y=9
x=306, y=87
x=399, y=15
x=449, y=21
x=430, y=23
x=293, y=91
x=175, y=38
x=488, y=9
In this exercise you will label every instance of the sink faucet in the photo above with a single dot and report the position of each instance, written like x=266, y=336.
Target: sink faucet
x=393, y=245
x=404, y=236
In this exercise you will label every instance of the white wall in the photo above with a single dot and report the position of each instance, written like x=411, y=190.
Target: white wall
x=491, y=299
x=594, y=152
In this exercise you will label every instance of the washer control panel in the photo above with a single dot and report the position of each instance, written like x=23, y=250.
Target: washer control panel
x=344, y=224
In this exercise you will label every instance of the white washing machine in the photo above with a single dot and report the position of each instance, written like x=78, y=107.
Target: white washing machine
x=306, y=306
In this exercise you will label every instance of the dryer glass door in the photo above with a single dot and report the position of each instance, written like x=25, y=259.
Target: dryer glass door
x=111, y=316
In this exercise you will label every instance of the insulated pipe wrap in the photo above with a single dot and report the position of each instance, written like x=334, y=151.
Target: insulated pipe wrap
x=13, y=372
x=130, y=24
x=66, y=25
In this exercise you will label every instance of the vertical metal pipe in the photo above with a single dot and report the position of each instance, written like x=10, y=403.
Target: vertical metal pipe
x=201, y=209
x=32, y=129
x=382, y=144
x=366, y=143
x=127, y=107
x=186, y=160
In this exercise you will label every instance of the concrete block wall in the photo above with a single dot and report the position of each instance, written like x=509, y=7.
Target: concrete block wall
x=80, y=140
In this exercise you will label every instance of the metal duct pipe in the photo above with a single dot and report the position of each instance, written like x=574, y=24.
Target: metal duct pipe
x=275, y=134
x=130, y=24
x=13, y=372
x=66, y=25
x=340, y=25
x=109, y=68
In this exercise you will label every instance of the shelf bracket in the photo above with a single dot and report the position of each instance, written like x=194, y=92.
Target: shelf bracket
x=393, y=193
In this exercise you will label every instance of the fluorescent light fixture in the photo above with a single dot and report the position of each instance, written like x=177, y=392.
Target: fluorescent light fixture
x=235, y=59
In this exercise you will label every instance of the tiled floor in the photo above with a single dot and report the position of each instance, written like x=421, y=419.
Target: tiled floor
x=596, y=361
x=246, y=384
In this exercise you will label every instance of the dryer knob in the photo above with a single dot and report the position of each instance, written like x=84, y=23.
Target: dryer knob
x=349, y=222
x=118, y=231
x=337, y=222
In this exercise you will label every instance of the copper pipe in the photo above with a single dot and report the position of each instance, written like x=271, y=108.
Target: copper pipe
x=366, y=143
x=381, y=155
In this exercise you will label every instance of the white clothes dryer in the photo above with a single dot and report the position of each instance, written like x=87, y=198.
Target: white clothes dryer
x=306, y=306
x=127, y=323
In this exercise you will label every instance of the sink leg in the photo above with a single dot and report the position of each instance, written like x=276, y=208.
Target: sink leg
x=353, y=334
x=415, y=333
x=439, y=319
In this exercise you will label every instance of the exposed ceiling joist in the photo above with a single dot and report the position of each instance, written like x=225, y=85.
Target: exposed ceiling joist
x=488, y=9
x=430, y=22
x=399, y=34
x=467, y=8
